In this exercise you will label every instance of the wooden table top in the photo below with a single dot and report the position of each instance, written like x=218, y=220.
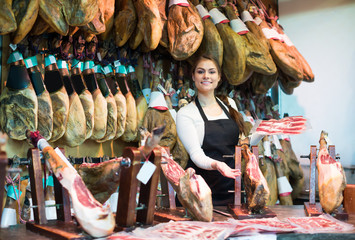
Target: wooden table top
x=20, y=232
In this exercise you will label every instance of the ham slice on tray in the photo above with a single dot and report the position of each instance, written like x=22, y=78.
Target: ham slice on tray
x=331, y=178
x=91, y=215
x=287, y=125
x=255, y=184
x=191, y=189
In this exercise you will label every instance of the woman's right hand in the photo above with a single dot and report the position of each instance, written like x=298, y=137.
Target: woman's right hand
x=225, y=170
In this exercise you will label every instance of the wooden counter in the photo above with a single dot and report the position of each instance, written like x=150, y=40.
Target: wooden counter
x=20, y=232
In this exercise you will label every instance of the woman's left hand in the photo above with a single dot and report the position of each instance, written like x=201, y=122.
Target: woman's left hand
x=226, y=171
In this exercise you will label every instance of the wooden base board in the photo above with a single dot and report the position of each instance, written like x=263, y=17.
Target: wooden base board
x=313, y=210
x=166, y=214
x=242, y=212
x=340, y=214
x=58, y=230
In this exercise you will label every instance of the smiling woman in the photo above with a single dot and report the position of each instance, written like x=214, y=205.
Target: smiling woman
x=209, y=128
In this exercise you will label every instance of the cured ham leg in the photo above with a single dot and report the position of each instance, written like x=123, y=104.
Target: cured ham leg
x=93, y=218
x=191, y=189
x=255, y=184
x=331, y=178
x=103, y=179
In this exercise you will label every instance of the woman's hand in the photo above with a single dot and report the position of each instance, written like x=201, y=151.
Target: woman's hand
x=225, y=170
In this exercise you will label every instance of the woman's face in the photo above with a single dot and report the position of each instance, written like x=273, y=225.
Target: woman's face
x=206, y=76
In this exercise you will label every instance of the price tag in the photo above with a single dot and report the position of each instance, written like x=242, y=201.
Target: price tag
x=146, y=172
x=116, y=63
x=191, y=92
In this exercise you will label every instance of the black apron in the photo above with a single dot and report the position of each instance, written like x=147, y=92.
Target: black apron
x=221, y=137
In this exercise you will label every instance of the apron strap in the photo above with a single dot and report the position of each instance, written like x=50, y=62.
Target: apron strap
x=203, y=115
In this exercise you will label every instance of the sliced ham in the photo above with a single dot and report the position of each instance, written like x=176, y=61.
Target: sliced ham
x=96, y=220
x=331, y=178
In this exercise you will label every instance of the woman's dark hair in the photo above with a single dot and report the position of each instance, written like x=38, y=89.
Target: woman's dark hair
x=238, y=118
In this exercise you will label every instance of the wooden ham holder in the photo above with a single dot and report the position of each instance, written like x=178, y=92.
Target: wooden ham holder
x=64, y=227
x=240, y=211
x=3, y=172
x=313, y=208
x=126, y=206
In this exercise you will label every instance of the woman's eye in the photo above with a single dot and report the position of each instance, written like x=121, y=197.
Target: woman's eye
x=200, y=71
x=212, y=72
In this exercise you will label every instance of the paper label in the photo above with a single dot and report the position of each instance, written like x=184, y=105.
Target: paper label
x=113, y=202
x=217, y=16
x=50, y=181
x=51, y=212
x=99, y=56
x=31, y=62
x=276, y=141
x=231, y=94
x=8, y=217
x=191, y=92
x=98, y=69
x=246, y=16
x=13, y=46
x=12, y=193
x=130, y=69
x=146, y=172
x=157, y=100
x=50, y=59
x=162, y=89
x=174, y=98
x=203, y=11
x=116, y=63
x=267, y=149
x=238, y=26
x=146, y=93
x=271, y=33
x=258, y=20
x=42, y=143
x=62, y=64
x=284, y=186
x=89, y=65
x=121, y=69
x=107, y=69
x=179, y=2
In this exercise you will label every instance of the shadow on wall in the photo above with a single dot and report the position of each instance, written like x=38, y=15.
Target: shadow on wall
x=288, y=7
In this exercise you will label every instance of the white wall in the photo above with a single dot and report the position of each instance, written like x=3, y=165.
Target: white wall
x=324, y=33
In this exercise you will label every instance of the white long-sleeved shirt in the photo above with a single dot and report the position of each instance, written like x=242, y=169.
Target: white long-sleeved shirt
x=191, y=131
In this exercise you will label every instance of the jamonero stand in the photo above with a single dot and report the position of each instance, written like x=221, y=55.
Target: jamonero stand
x=127, y=212
x=313, y=208
x=240, y=211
